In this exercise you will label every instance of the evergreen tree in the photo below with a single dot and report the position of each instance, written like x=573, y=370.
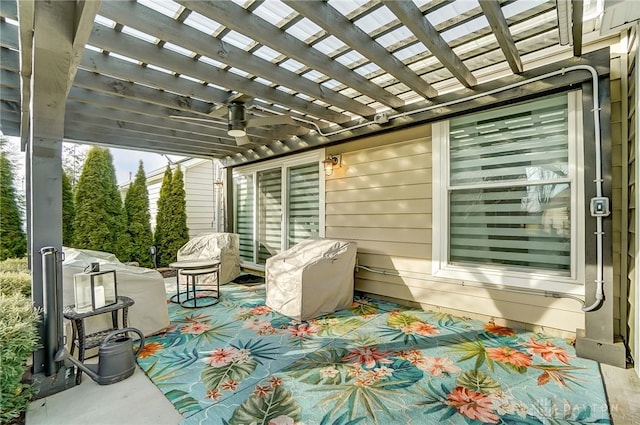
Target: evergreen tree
x=136, y=204
x=178, y=225
x=13, y=242
x=73, y=159
x=68, y=211
x=100, y=221
x=163, y=222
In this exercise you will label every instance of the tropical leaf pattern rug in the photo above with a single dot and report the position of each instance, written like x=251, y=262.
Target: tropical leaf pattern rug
x=239, y=362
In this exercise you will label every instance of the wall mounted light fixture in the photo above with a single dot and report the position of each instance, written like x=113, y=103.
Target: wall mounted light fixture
x=330, y=162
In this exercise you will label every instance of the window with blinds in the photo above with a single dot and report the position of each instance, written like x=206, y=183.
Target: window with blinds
x=269, y=213
x=243, y=207
x=276, y=206
x=509, y=187
x=303, y=204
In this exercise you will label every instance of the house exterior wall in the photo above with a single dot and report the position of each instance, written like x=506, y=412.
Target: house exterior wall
x=632, y=281
x=381, y=198
x=201, y=197
x=619, y=178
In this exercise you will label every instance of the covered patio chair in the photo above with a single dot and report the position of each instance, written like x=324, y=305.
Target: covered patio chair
x=312, y=278
x=222, y=246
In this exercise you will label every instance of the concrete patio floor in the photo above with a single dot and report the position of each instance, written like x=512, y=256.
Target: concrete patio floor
x=138, y=401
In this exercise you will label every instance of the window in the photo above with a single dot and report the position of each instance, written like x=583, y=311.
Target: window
x=509, y=187
x=277, y=204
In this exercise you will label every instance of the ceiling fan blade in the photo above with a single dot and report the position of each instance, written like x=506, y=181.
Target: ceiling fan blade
x=205, y=120
x=242, y=140
x=270, y=120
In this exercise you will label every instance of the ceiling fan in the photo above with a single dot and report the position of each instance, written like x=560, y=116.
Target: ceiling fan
x=237, y=123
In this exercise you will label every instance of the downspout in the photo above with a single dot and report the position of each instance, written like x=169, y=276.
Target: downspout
x=599, y=204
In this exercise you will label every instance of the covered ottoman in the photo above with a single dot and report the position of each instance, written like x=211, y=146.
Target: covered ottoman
x=312, y=278
x=222, y=246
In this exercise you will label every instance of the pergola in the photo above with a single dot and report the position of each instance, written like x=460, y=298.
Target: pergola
x=131, y=74
x=160, y=75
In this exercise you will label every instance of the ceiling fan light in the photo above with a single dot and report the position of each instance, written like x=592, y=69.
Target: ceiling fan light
x=236, y=132
x=236, y=120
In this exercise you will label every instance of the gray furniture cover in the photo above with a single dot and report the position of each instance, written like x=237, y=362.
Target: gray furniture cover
x=312, y=278
x=145, y=286
x=222, y=246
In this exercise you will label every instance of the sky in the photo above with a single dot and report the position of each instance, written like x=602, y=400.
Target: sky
x=125, y=161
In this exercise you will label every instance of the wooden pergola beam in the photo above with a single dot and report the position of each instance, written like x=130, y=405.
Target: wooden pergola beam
x=498, y=23
x=114, y=41
x=164, y=28
x=115, y=105
x=339, y=26
x=134, y=131
x=412, y=18
x=577, y=11
x=237, y=18
x=26, y=17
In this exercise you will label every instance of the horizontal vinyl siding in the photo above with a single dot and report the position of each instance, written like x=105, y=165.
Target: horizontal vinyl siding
x=632, y=143
x=154, y=195
x=199, y=195
x=381, y=198
x=618, y=201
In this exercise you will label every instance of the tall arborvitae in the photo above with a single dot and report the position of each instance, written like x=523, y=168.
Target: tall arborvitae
x=100, y=222
x=136, y=204
x=13, y=242
x=68, y=211
x=179, y=229
x=163, y=222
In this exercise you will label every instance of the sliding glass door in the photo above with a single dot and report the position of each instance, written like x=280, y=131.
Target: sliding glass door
x=277, y=205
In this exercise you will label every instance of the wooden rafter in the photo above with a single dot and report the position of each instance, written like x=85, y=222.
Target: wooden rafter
x=412, y=18
x=237, y=18
x=576, y=26
x=498, y=23
x=154, y=23
x=114, y=41
x=339, y=26
x=26, y=17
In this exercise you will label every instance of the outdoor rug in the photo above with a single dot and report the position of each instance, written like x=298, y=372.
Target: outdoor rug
x=238, y=362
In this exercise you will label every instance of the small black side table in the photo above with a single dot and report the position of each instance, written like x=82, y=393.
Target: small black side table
x=85, y=342
x=192, y=268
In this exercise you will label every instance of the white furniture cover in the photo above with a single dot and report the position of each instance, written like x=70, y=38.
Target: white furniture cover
x=222, y=246
x=144, y=286
x=312, y=278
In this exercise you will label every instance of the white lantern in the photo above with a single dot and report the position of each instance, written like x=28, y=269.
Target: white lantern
x=95, y=289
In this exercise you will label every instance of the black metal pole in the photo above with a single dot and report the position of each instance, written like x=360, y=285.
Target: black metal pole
x=52, y=314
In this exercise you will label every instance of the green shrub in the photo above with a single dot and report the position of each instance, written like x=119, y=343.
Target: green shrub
x=100, y=222
x=136, y=204
x=13, y=241
x=14, y=265
x=15, y=283
x=18, y=339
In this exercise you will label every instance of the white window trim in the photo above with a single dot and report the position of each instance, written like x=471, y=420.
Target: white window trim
x=284, y=163
x=544, y=281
